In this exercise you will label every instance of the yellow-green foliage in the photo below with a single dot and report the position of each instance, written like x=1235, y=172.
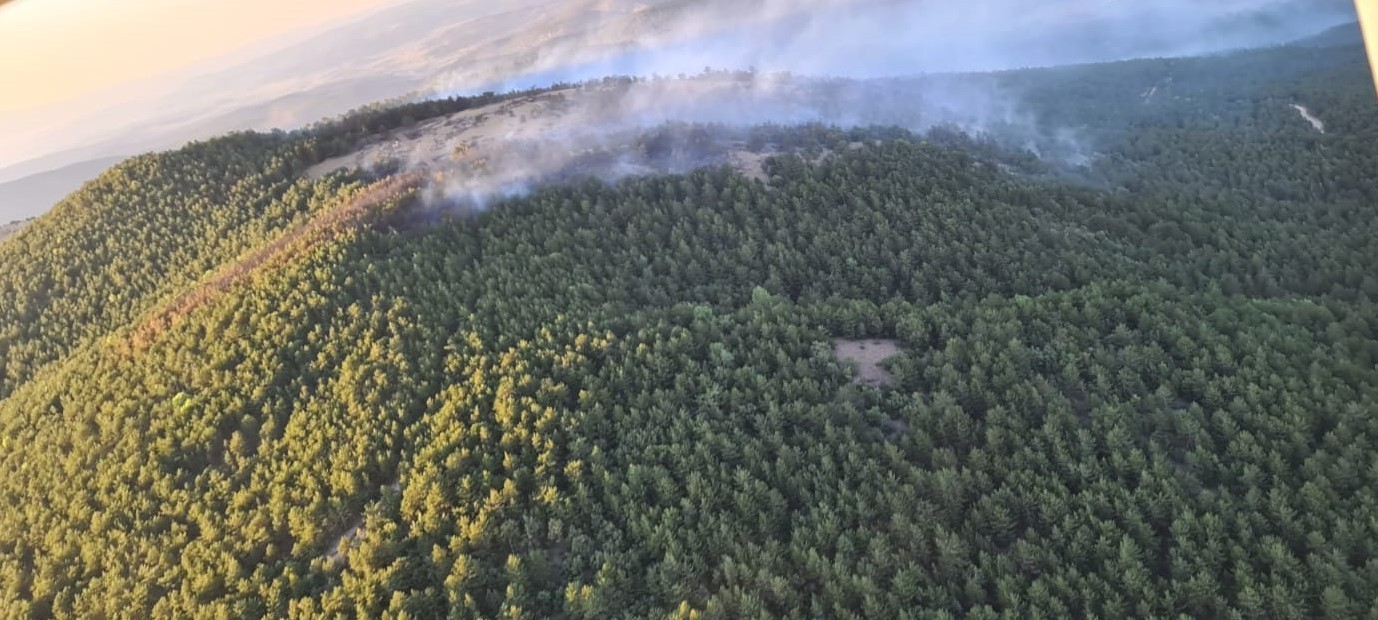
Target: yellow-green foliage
x=1146, y=391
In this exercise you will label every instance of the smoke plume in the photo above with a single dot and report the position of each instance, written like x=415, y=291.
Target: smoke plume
x=732, y=65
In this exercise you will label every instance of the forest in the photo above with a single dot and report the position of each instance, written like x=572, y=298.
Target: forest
x=1145, y=386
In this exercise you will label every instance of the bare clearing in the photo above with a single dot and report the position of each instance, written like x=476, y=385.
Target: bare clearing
x=604, y=130
x=750, y=165
x=463, y=139
x=1310, y=118
x=868, y=356
x=617, y=128
x=608, y=130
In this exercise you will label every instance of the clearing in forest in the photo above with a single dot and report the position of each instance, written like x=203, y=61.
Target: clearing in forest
x=868, y=357
x=1306, y=114
x=750, y=165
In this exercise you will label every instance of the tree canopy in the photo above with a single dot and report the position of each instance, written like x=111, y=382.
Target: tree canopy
x=1141, y=387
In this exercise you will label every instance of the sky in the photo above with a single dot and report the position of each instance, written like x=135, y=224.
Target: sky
x=52, y=51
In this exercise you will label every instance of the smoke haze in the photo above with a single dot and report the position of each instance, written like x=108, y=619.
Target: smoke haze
x=442, y=47
x=883, y=38
x=828, y=62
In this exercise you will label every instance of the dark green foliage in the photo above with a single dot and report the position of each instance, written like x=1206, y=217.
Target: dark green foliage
x=1146, y=392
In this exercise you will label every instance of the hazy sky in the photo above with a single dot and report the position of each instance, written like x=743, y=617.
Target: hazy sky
x=55, y=50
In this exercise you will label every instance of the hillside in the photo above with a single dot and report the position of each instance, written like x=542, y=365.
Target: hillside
x=1138, y=381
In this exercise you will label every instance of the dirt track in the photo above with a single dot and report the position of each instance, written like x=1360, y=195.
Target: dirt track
x=291, y=243
x=1306, y=114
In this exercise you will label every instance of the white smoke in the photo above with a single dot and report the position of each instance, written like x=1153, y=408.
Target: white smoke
x=884, y=38
x=850, y=52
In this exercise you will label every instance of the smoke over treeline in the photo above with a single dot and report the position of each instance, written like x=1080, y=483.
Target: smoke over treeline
x=617, y=127
x=838, y=63
x=429, y=48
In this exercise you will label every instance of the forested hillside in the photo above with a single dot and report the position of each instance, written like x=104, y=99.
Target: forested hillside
x=1143, y=387
x=141, y=230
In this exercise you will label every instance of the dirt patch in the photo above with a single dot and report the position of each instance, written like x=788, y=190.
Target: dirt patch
x=1305, y=113
x=868, y=356
x=750, y=165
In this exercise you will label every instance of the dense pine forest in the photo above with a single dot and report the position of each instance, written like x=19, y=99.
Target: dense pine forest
x=1145, y=386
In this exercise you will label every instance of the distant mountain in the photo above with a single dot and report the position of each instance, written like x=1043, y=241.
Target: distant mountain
x=33, y=195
